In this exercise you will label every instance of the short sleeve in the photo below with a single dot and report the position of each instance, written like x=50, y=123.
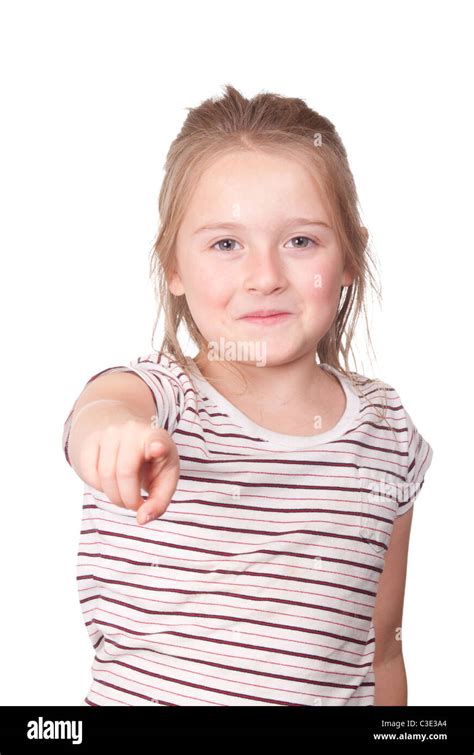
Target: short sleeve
x=419, y=454
x=163, y=377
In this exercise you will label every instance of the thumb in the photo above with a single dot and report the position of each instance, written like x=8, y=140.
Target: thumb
x=153, y=449
x=160, y=479
x=154, y=445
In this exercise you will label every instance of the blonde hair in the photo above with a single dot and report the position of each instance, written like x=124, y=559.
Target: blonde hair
x=268, y=123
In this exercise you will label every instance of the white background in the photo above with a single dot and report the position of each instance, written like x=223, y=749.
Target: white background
x=92, y=93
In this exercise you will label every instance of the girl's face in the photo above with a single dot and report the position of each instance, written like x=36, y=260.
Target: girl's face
x=270, y=247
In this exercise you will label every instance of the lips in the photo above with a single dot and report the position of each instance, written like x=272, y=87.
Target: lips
x=265, y=313
x=267, y=318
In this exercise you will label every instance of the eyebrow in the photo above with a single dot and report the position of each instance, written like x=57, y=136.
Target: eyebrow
x=231, y=224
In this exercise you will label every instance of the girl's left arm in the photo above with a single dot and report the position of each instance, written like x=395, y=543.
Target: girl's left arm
x=389, y=667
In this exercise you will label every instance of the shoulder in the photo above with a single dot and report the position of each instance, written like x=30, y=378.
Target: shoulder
x=161, y=363
x=374, y=389
x=167, y=371
x=382, y=407
x=390, y=407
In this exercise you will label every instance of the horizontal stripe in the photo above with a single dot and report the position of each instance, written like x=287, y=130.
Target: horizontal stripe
x=258, y=583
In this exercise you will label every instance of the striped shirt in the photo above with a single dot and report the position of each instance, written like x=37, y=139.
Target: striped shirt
x=257, y=585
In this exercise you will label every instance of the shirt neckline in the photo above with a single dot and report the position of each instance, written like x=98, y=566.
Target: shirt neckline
x=346, y=421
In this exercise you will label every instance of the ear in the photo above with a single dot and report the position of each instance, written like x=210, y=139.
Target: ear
x=175, y=284
x=366, y=235
x=348, y=274
x=347, y=277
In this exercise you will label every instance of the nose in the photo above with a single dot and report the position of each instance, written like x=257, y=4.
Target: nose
x=264, y=271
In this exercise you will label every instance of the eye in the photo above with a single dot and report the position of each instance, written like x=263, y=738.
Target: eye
x=302, y=238
x=222, y=242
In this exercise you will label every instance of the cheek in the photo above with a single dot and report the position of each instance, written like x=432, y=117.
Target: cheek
x=320, y=284
x=216, y=292
x=208, y=291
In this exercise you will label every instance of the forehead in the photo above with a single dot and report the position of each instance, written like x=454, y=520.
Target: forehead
x=260, y=184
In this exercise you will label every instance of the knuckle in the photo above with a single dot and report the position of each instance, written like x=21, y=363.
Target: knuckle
x=92, y=441
x=126, y=471
x=107, y=475
x=131, y=424
x=110, y=429
x=85, y=457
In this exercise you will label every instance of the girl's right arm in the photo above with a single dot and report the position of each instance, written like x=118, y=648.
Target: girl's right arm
x=110, y=445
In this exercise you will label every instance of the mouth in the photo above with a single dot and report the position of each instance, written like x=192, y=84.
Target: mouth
x=265, y=318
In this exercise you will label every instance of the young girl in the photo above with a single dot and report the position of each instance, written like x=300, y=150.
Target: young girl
x=272, y=567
